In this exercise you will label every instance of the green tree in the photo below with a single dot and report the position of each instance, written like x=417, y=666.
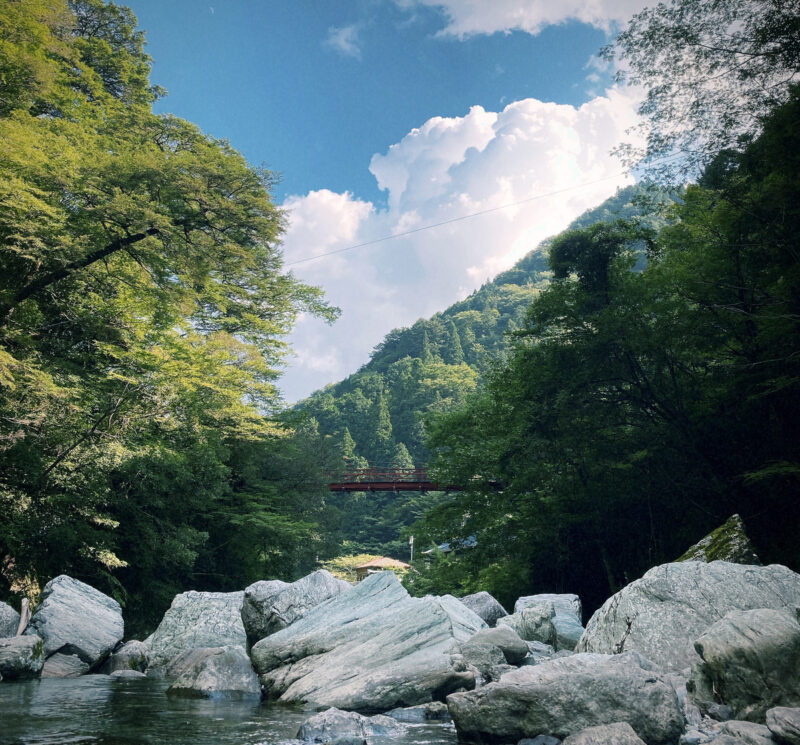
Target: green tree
x=712, y=71
x=142, y=304
x=453, y=351
x=621, y=427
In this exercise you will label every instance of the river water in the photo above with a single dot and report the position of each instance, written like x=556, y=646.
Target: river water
x=101, y=710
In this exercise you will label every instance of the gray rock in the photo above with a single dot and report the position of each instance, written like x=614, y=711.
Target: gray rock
x=566, y=616
x=436, y=711
x=784, y=723
x=726, y=740
x=256, y=596
x=564, y=696
x=540, y=740
x=371, y=649
x=533, y=624
x=21, y=657
x=216, y=672
x=538, y=652
x=750, y=662
x=333, y=724
x=9, y=621
x=720, y=712
x=485, y=606
x=196, y=620
x=661, y=614
x=618, y=733
x=514, y=649
x=693, y=737
x=568, y=632
x=495, y=672
x=563, y=603
x=748, y=732
x=127, y=674
x=729, y=542
x=61, y=665
x=483, y=656
x=269, y=608
x=76, y=619
x=132, y=655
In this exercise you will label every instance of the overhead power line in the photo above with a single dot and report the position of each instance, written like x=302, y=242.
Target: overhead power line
x=454, y=220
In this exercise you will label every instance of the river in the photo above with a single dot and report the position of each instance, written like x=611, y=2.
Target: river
x=101, y=710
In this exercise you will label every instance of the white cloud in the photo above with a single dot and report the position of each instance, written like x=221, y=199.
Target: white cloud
x=550, y=161
x=344, y=40
x=470, y=17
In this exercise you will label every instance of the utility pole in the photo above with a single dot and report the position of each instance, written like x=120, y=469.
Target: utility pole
x=411, y=544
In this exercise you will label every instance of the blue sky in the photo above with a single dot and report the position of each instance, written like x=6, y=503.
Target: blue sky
x=384, y=116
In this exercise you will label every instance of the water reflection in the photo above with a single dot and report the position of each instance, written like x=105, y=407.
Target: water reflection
x=105, y=711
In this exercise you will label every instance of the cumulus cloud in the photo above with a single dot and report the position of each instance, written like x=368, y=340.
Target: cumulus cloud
x=525, y=172
x=344, y=40
x=470, y=17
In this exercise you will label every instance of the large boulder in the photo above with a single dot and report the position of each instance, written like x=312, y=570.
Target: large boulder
x=485, y=606
x=76, y=619
x=269, y=607
x=565, y=696
x=729, y=542
x=750, y=662
x=9, y=621
x=661, y=614
x=563, y=603
x=566, y=615
x=371, y=649
x=514, y=649
x=533, y=624
x=196, y=620
x=334, y=724
x=619, y=733
x=132, y=655
x=784, y=723
x=61, y=665
x=256, y=597
x=749, y=733
x=21, y=657
x=216, y=672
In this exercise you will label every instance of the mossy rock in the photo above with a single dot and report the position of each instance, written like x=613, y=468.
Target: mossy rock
x=729, y=542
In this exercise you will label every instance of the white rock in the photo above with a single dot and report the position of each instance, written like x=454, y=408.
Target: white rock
x=197, y=620
x=661, y=614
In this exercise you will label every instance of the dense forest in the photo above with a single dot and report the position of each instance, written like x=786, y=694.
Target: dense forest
x=378, y=416
x=142, y=305
x=638, y=410
x=618, y=393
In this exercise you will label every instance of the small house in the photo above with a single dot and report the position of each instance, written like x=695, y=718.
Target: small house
x=380, y=564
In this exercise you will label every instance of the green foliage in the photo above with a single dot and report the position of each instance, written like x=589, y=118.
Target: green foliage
x=379, y=415
x=142, y=310
x=712, y=71
x=638, y=410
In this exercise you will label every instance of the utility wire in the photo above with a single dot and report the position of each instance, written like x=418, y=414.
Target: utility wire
x=454, y=219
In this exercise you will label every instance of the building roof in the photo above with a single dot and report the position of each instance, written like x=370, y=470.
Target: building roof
x=384, y=562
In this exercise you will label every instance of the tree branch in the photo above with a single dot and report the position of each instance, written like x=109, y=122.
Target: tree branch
x=65, y=271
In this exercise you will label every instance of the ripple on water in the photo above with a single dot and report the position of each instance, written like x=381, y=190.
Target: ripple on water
x=99, y=710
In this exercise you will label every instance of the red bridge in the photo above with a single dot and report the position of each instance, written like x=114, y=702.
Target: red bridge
x=387, y=479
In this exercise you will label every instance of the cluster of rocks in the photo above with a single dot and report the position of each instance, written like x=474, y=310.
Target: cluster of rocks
x=694, y=652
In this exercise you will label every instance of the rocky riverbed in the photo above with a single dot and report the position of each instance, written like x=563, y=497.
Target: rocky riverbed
x=692, y=652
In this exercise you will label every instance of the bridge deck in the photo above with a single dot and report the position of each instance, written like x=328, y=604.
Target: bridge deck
x=386, y=479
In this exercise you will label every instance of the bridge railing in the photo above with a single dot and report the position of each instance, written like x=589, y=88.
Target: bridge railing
x=381, y=474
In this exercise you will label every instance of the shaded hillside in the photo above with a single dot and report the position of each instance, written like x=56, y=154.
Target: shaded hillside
x=376, y=415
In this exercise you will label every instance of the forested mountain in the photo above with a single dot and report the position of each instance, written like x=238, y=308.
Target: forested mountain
x=638, y=410
x=622, y=390
x=376, y=415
